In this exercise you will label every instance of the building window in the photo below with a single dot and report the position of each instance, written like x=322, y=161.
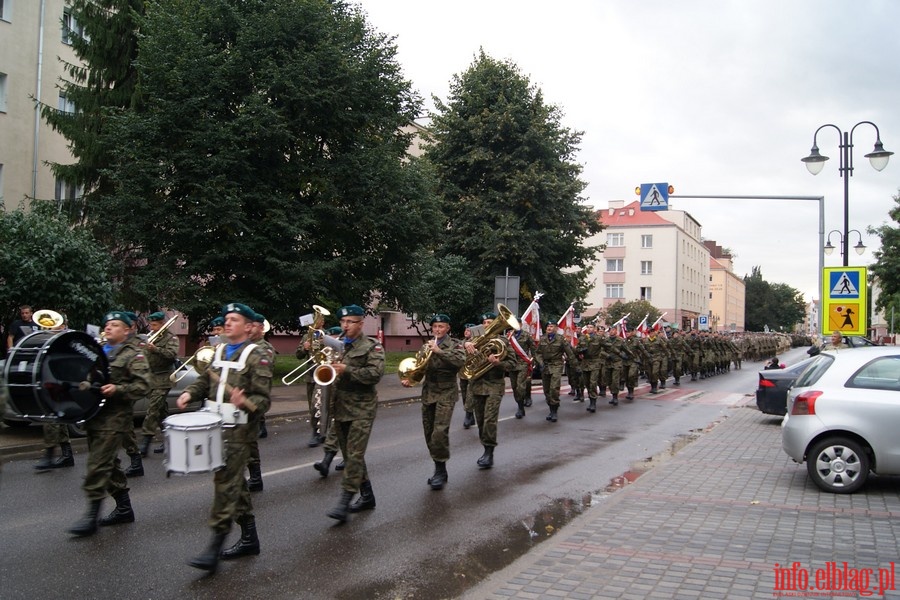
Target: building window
x=646, y=241
x=615, y=239
x=615, y=290
x=5, y=10
x=646, y=267
x=3, y=80
x=70, y=27
x=65, y=105
x=646, y=294
x=66, y=190
x=615, y=265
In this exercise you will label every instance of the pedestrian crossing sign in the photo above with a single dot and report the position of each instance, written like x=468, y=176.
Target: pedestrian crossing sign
x=654, y=196
x=844, y=300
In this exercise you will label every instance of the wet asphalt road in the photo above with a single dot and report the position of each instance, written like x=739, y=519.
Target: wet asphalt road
x=417, y=543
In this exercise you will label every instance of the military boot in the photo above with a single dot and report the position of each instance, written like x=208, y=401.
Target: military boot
x=602, y=391
x=653, y=389
x=161, y=448
x=67, y=459
x=439, y=478
x=122, y=513
x=341, y=465
x=46, y=461
x=592, y=405
x=248, y=545
x=528, y=395
x=87, y=525
x=615, y=399
x=521, y=411
x=208, y=560
x=144, y=446
x=662, y=384
x=137, y=467
x=487, y=459
x=469, y=420
x=552, y=416
x=366, y=500
x=322, y=465
x=630, y=395
x=677, y=382
x=579, y=395
x=255, y=483
x=339, y=512
x=263, y=431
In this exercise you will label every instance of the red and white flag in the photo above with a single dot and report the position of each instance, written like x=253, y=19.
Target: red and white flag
x=566, y=324
x=531, y=318
x=623, y=333
x=642, y=329
x=658, y=326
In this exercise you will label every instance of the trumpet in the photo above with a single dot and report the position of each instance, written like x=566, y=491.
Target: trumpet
x=156, y=334
x=201, y=359
x=324, y=374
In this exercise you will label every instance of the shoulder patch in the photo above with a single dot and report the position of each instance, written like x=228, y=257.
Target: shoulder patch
x=379, y=348
x=264, y=362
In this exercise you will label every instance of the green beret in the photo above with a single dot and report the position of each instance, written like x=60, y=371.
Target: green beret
x=241, y=309
x=488, y=315
x=117, y=315
x=351, y=311
x=157, y=316
x=469, y=325
x=259, y=318
x=131, y=315
x=334, y=330
x=440, y=318
x=217, y=322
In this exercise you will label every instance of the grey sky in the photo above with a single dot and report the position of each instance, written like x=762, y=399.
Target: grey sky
x=713, y=97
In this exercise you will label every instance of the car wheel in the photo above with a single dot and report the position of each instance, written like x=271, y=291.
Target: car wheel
x=76, y=430
x=16, y=423
x=838, y=465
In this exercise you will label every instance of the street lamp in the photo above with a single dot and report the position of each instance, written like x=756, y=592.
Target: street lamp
x=859, y=247
x=815, y=162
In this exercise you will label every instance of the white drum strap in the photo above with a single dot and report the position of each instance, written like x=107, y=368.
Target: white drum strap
x=228, y=365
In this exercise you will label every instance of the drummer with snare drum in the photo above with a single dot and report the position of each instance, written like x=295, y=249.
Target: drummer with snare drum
x=239, y=375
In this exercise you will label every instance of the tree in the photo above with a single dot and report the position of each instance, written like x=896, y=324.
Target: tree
x=510, y=186
x=886, y=267
x=48, y=264
x=267, y=164
x=438, y=285
x=777, y=305
x=635, y=308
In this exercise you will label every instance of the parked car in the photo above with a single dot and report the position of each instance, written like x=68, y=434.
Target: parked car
x=140, y=407
x=843, y=417
x=771, y=395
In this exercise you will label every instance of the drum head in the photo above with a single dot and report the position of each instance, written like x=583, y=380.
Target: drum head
x=56, y=376
x=191, y=420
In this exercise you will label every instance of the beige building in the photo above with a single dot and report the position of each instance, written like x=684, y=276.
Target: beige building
x=654, y=256
x=726, y=292
x=33, y=43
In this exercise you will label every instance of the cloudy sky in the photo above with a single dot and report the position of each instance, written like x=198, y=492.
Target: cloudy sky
x=715, y=97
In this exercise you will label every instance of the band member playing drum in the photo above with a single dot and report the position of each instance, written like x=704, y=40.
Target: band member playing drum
x=129, y=380
x=243, y=377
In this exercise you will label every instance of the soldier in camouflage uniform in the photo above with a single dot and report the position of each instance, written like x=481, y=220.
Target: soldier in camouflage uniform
x=129, y=380
x=634, y=346
x=617, y=353
x=520, y=375
x=246, y=384
x=679, y=350
x=465, y=392
x=656, y=351
x=254, y=467
x=549, y=355
x=589, y=350
x=55, y=434
x=355, y=403
x=331, y=446
x=316, y=437
x=439, y=394
x=161, y=357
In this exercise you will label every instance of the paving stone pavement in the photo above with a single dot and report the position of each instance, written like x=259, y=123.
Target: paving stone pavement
x=713, y=521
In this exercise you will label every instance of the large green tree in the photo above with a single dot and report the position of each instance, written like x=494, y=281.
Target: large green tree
x=886, y=267
x=268, y=163
x=776, y=305
x=510, y=186
x=635, y=309
x=48, y=264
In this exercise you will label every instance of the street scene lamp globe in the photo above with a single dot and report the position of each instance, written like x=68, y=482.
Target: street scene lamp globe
x=878, y=158
x=815, y=162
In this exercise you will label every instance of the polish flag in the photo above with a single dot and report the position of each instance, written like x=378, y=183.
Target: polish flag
x=567, y=324
x=531, y=319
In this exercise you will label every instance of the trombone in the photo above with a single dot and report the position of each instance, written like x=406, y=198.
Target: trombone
x=156, y=334
x=324, y=373
x=202, y=358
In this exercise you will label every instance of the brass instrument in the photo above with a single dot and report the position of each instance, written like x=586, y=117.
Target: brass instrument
x=412, y=369
x=201, y=359
x=489, y=344
x=157, y=334
x=48, y=319
x=322, y=352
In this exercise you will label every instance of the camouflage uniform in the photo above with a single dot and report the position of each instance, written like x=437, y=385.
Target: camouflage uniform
x=439, y=396
x=253, y=464
x=616, y=355
x=162, y=363
x=520, y=374
x=656, y=351
x=487, y=392
x=317, y=428
x=635, y=349
x=549, y=355
x=589, y=349
x=679, y=350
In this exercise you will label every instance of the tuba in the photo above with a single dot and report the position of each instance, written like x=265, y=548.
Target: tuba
x=412, y=369
x=489, y=344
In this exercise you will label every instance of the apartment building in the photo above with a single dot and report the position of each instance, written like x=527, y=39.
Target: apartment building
x=34, y=42
x=653, y=256
x=727, y=291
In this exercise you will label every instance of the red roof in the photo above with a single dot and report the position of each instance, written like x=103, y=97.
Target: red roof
x=631, y=215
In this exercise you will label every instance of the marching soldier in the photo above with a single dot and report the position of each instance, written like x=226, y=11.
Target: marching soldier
x=331, y=446
x=439, y=395
x=634, y=347
x=257, y=336
x=161, y=357
x=464, y=391
x=678, y=349
x=487, y=392
x=241, y=374
x=616, y=355
x=303, y=353
x=129, y=379
x=589, y=350
x=656, y=352
x=355, y=403
x=55, y=434
x=522, y=344
x=549, y=355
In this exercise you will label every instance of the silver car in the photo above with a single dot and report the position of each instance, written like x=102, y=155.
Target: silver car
x=843, y=417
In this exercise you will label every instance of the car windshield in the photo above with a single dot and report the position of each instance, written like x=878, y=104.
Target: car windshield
x=816, y=368
x=880, y=374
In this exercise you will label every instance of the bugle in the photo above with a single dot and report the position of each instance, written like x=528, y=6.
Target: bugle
x=201, y=359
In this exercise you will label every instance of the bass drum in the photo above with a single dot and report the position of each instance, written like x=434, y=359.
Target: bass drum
x=56, y=376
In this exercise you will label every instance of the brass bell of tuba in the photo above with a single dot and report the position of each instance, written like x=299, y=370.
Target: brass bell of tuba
x=489, y=344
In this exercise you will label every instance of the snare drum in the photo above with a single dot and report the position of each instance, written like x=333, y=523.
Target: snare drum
x=55, y=377
x=193, y=443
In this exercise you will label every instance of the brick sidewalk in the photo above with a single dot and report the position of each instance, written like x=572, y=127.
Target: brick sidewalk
x=711, y=522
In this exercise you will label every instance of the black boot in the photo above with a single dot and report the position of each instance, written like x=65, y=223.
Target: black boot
x=341, y=465
x=602, y=391
x=322, y=465
x=677, y=382
x=487, y=459
x=340, y=511
x=144, y=446
x=469, y=420
x=122, y=513
x=439, y=478
x=521, y=412
x=662, y=384
x=46, y=461
x=592, y=405
x=160, y=449
x=552, y=416
x=653, y=389
x=248, y=545
x=615, y=399
x=630, y=395
x=315, y=440
x=366, y=500
x=579, y=396
x=67, y=459
x=528, y=395
x=208, y=560
x=137, y=467
x=87, y=525
x=263, y=432
x=255, y=483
